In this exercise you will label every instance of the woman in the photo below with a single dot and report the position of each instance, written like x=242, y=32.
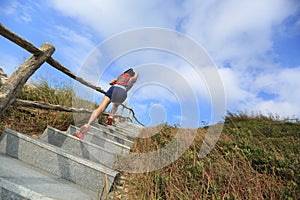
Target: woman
x=116, y=94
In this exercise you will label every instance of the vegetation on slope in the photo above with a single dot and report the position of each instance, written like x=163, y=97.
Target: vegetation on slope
x=256, y=157
x=34, y=121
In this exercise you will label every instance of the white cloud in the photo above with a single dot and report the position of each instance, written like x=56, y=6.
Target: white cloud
x=236, y=30
x=232, y=85
x=283, y=109
x=73, y=45
x=239, y=33
x=282, y=82
x=17, y=10
x=111, y=17
x=9, y=9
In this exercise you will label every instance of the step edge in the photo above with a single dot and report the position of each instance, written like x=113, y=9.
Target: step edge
x=21, y=190
x=113, y=142
x=62, y=152
x=79, y=140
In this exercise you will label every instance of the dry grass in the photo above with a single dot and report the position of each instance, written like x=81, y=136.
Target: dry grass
x=256, y=157
x=226, y=173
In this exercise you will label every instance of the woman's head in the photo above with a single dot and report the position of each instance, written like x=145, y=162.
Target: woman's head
x=130, y=72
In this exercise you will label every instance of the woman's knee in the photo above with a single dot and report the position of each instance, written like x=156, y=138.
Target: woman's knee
x=105, y=102
x=100, y=109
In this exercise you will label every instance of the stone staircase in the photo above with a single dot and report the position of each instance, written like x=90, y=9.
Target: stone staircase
x=58, y=165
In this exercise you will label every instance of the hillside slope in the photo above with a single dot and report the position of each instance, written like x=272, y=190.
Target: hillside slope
x=256, y=157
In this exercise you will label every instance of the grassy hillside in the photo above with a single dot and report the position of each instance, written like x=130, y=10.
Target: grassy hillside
x=256, y=157
x=34, y=121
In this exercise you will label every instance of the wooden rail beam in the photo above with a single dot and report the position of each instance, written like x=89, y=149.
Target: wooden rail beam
x=38, y=52
x=45, y=106
x=19, y=40
x=34, y=50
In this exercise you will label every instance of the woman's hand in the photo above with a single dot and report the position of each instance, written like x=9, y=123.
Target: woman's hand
x=113, y=82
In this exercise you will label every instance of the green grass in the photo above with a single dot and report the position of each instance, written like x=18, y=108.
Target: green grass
x=33, y=121
x=256, y=156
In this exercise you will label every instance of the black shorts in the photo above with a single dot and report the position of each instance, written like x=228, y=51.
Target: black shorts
x=116, y=94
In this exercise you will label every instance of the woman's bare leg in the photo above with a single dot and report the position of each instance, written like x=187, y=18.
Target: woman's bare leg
x=98, y=111
x=114, y=109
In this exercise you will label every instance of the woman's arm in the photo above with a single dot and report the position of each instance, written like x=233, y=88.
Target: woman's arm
x=132, y=80
x=113, y=81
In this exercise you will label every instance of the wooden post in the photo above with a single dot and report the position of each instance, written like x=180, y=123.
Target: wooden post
x=12, y=88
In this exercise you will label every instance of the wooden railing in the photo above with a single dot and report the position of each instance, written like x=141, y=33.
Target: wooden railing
x=12, y=88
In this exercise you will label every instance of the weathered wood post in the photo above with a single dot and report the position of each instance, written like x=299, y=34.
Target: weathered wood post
x=12, y=88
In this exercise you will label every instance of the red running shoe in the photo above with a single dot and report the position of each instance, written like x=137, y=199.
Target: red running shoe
x=82, y=130
x=109, y=121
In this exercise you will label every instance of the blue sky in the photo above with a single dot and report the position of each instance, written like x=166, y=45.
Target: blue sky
x=254, y=46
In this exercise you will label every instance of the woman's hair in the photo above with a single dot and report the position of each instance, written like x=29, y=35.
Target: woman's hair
x=130, y=72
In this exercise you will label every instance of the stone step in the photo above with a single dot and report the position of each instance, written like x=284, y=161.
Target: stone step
x=97, y=139
x=81, y=148
x=19, y=180
x=123, y=128
x=107, y=134
x=134, y=129
x=119, y=137
x=130, y=135
x=56, y=161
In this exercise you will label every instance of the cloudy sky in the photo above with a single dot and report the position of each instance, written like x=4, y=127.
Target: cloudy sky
x=252, y=47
